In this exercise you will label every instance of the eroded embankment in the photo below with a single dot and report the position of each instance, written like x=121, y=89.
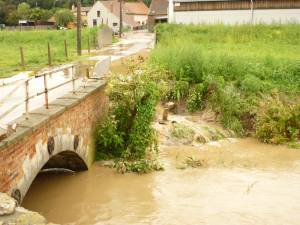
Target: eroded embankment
x=193, y=139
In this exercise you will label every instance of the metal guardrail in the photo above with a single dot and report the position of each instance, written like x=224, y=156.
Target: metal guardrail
x=46, y=90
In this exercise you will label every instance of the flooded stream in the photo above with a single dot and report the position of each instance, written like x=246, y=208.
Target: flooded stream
x=241, y=182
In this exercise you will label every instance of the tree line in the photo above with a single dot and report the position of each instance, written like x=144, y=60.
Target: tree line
x=11, y=11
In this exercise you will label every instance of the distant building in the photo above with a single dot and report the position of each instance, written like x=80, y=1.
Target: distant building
x=26, y=23
x=233, y=11
x=158, y=13
x=138, y=10
x=84, y=14
x=108, y=12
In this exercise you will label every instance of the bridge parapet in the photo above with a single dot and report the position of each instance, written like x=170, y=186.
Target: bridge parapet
x=58, y=137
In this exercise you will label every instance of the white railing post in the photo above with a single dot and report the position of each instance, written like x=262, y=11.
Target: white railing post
x=27, y=99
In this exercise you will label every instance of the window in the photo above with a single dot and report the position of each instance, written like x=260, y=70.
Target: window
x=94, y=22
x=98, y=13
x=115, y=24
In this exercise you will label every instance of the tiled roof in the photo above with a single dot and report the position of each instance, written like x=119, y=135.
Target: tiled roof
x=136, y=8
x=159, y=7
x=114, y=7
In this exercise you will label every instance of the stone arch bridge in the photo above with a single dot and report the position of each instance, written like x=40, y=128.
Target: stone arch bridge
x=58, y=137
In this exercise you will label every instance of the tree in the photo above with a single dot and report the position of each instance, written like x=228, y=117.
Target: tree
x=147, y=2
x=23, y=10
x=38, y=14
x=64, y=16
x=2, y=12
x=13, y=18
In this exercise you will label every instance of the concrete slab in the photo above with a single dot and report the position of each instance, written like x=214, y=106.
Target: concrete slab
x=13, y=138
x=66, y=102
x=32, y=121
x=92, y=86
x=53, y=111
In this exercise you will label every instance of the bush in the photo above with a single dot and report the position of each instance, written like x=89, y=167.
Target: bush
x=195, y=99
x=278, y=122
x=177, y=91
x=64, y=16
x=127, y=133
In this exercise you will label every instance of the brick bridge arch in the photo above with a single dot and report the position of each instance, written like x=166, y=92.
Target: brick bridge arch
x=58, y=137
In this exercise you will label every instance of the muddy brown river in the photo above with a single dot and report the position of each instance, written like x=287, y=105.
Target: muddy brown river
x=241, y=182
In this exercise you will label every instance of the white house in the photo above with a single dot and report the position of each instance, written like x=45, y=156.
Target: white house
x=233, y=11
x=84, y=13
x=108, y=13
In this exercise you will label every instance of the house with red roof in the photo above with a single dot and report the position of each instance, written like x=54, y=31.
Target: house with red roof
x=158, y=13
x=134, y=14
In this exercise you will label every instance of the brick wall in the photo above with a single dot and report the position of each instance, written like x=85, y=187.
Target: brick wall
x=70, y=123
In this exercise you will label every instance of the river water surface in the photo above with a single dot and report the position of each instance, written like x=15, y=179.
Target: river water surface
x=242, y=182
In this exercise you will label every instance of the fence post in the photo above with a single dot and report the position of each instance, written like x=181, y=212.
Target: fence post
x=95, y=46
x=87, y=72
x=46, y=91
x=88, y=43
x=49, y=55
x=66, y=49
x=22, y=58
x=73, y=79
x=26, y=99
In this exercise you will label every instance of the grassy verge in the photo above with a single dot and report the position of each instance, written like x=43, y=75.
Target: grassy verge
x=249, y=75
x=34, y=45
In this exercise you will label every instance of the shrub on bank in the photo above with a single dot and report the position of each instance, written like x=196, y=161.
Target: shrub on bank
x=127, y=134
x=278, y=122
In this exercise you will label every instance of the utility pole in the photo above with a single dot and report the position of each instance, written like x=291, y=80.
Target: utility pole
x=121, y=20
x=79, y=27
x=252, y=11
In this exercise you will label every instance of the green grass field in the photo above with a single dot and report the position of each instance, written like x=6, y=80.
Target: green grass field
x=248, y=74
x=269, y=52
x=34, y=45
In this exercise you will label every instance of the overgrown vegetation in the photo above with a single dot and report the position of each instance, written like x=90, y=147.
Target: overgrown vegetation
x=248, y=74
x=127, y=135
x=34, y=45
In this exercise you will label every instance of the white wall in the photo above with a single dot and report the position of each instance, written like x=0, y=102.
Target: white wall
x=142, y=19
x=105, y=14
x=238, y=16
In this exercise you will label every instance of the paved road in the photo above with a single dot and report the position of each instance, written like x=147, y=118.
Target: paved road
x=13, y=93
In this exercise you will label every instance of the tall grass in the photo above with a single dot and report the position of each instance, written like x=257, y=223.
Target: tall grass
x=34, y=44
x=269, y=53
x=238, y=67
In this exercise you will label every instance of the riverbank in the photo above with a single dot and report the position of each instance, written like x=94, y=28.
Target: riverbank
x=209, y=146
x=247, y=75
